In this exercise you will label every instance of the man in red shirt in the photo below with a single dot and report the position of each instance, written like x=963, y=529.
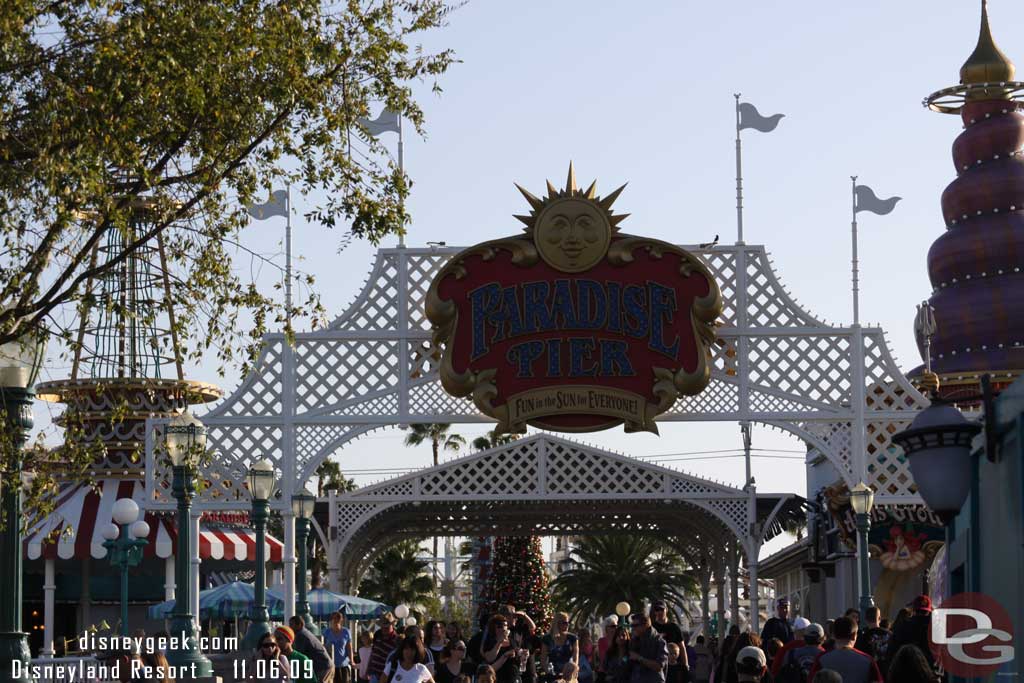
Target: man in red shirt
x=852, y=665
x=799, y=624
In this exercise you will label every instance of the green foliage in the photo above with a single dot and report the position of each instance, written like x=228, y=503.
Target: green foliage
x=439, y=436
x=190, y=110
x=518, y=576
x=612, y=568
x=158, y=120
x=492, y=440
x=399, y=576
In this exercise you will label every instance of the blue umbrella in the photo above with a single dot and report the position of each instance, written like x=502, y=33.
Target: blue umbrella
x=323, y=603
x=226, y=601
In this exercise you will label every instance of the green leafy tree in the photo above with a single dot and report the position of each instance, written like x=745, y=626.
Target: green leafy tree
x=399, y=576
x=185, y=111
x=439, y=436
x=612, y=568
x=328, y=477
x=492, y=440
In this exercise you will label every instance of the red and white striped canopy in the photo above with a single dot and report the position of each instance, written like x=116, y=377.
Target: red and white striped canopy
x=74, y=529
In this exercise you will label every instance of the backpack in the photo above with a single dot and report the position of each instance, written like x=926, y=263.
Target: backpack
x=797, y=669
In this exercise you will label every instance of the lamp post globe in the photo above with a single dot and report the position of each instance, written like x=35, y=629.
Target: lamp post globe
x=938, y=446
x=185, y=441
x=862, y=497
x=622, y=608
x=261, y=482
x=125, y=511
x=20, y=361
x=402, y=611
x=303, y=505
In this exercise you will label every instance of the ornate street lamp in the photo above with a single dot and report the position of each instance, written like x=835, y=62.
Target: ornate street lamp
x=622, y=609
x=261, y=487
x=402, y=612
x=20, y=361
x=938, y=446
x=861, y=500
x=126, y=536
x=185, y=439
x=302, y=505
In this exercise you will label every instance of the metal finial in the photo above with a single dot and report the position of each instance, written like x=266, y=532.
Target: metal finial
x=987, y=64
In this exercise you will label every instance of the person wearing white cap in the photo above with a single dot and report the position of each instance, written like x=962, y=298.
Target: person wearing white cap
x=795, y=664
x=750, y=664
x=799, y=624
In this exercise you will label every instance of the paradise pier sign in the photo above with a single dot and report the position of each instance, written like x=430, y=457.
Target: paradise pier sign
x=574, y=326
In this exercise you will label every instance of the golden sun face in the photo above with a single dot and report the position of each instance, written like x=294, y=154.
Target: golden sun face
x=572, y=228
x=572, y=235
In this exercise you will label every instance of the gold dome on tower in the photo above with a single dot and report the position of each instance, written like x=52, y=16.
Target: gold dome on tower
x=987, y=64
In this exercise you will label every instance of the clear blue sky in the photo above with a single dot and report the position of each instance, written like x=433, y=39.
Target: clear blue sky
x=642, y=92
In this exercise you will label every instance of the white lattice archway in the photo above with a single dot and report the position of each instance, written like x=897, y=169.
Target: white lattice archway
x=837, y=388
x=547, y=485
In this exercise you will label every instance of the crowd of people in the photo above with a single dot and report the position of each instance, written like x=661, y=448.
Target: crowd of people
x=648, y=648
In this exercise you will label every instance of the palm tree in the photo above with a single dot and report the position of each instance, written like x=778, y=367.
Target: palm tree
x=491, y=440
x=399, y=576
x=440, y=438
x=634, y=568
x=328, y=476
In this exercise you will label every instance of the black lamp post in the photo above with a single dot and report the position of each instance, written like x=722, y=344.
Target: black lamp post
x=303, y=505
x=861, y=500
x=261, y=487
x=125, y=538
x=938, y=445
x=185, y=439
x=20, y=361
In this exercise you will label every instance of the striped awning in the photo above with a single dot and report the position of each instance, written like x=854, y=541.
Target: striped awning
x=74, y=529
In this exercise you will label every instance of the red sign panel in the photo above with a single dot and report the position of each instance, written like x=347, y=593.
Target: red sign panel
x=573, y=326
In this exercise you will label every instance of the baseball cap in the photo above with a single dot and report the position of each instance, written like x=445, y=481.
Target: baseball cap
x=750, y=660
x=922, y=603
x=814, y=632
x=611, y=620
x=658, y=604
x=800, y=623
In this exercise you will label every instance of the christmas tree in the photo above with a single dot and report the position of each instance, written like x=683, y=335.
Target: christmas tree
x=518, y=577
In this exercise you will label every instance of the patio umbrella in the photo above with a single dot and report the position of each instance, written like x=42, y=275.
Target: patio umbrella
x=225, y=601
x=323, y=603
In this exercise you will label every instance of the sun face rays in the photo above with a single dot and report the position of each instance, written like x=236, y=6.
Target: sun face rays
x=570, y=191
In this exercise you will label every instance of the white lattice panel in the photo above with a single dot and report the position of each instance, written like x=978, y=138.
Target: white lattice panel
x=261, y=391
x=572, y=470
x=509, y=472
x=331, y=372
x=769, y=304
x=722, y=397
x=375, y=365
x=377, y=306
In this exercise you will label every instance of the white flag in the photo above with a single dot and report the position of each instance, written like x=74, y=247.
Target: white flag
x=387, y=121
x=276, y=206
x=751, y=118
x=867, y=201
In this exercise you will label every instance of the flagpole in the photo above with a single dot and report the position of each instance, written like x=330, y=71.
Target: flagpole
x=853, y=225
x=739, y=176
x=288, y=258
x=401, y=170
